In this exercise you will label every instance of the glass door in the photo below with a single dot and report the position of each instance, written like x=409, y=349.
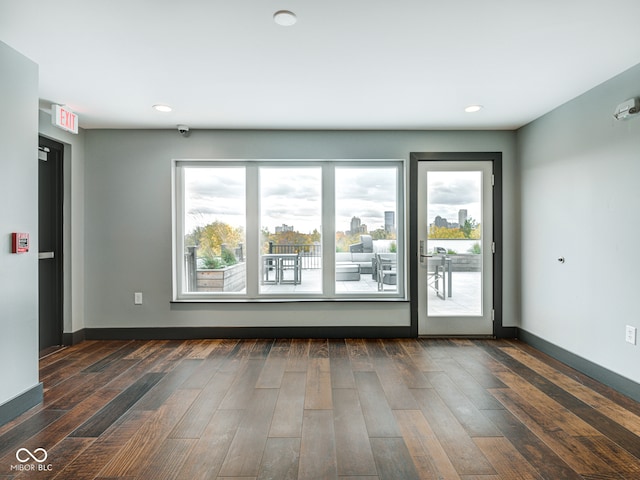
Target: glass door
x=455, y=274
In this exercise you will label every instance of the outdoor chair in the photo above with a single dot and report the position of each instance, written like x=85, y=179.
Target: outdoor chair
x=293, y=264
x=386, y=270
x=435, y=275
x=364, y=246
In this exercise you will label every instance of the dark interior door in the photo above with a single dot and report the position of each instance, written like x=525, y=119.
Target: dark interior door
x=50, y=263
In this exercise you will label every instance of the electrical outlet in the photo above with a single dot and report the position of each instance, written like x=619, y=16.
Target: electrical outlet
x=137, y=298
x=631, y=335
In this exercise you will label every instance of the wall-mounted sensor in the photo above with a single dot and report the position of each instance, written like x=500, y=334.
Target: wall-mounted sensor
x=561, y=259
x=183, y=130
x=627, y=109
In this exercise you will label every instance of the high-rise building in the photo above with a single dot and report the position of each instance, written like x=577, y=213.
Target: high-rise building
x=389, y=222
x=462, y=216
x=355, y=225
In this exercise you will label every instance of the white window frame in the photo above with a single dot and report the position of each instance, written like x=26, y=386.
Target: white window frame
x=252, y=233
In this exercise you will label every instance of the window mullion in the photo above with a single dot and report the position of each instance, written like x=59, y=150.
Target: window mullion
x=178, y=232
x=253, y=230
x=328, y=230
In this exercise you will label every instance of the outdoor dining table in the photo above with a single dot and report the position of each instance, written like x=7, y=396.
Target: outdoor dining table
x=279, y=263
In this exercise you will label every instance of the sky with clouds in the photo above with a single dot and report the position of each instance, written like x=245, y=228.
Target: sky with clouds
x=365, y=193
x=449, y=192
x=289, y=195
x=214, y=194
x=292, y=196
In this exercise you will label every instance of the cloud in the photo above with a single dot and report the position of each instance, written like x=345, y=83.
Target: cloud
x=217, y=209
x=290, y=195
x=291, y=183
x=449, y=192
x=454, y=188
x=210, y=183
x=214, y=194
x=370, y=184
x=365, y=193
x=307, y=214
x=297, y=189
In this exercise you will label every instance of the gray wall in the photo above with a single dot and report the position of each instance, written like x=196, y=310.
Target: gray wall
x=73, y=220
x=128, y=220
x=577, y=169
x=581, y=199
x=19, y=213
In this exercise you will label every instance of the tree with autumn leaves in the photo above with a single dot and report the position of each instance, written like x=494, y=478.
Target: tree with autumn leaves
x=211, y=237
x=469, y=231
x=289, y=238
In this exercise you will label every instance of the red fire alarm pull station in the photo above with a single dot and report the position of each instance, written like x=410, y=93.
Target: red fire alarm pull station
x=19, y=242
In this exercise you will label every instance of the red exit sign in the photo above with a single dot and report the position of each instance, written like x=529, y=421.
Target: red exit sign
x=64, y=118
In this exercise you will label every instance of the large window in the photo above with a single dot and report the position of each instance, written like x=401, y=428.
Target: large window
x=366, y=234
x=291, y=224
x=213, y=229
x=259, y=230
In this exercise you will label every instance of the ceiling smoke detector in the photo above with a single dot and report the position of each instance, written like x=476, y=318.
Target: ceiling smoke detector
x=285, y=18
x=473, y=108
x=162, y=108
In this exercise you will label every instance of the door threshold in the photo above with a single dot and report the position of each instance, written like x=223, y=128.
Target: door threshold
x=50, y=351
x=472, y=337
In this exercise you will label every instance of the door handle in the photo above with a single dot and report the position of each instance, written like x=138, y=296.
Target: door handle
x=45, y=255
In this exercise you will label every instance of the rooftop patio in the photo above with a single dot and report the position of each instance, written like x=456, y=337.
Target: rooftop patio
x=465, y=296
x=311, y=282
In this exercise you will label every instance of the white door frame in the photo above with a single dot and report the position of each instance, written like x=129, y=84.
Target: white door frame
x=496, y=329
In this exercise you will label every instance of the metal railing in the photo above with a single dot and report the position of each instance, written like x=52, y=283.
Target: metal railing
x=310, y=254
x=310, y=259
x=191, y=267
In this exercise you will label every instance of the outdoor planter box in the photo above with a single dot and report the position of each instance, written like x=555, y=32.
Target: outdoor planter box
x=227, y=279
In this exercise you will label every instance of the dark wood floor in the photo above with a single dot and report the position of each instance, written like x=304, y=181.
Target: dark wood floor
x=315, y=409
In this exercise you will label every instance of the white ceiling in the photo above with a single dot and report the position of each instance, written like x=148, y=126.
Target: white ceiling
x=349, y=64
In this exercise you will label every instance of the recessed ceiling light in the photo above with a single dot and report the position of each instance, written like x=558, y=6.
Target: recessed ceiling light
x=162, y=108
x=473, y=108
x=285, y=18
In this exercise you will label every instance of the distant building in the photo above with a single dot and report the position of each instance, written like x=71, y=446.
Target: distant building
x=441, y=222
x=462, y=216
x=389, y=222
x=357, y=226
x=444, y=223
x=284, y=228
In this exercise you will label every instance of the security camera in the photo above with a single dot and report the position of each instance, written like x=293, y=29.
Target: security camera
x=183, y=130
x=627, y=109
